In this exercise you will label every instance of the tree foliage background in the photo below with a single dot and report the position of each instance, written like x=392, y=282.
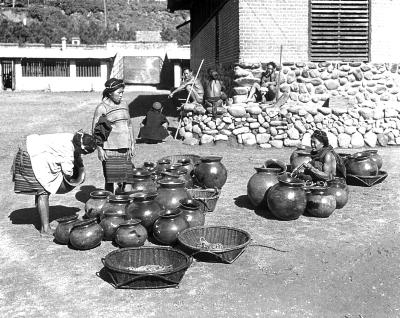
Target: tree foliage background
x=46, y=21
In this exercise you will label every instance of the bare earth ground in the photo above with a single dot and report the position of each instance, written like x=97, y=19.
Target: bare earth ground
x=343, y=266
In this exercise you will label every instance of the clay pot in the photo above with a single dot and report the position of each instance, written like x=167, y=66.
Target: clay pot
x=150, y=166
x=131, y=234
x=276, y=164
x=360, y=164
x=259, y=184
x=167, y=228
x=110, y=223
x=338, y=188
x=63, y=229
x=373, y=154
x=210, y=172
x=320, y=203
x=190, y=210
x=94, y=205
x=86, y=234
x=170, y=192
x=116, y=204
x=162, y=164
x=300, y=156
x=187, y=164
x=142, y=181
x=182, y=174
x=287, y=199
x=144, y=208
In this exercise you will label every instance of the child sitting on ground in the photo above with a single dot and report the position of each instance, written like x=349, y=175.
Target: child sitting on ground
x=154, y=125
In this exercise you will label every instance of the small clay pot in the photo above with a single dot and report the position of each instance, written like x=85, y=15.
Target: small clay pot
x=94, y=206
x=65, y=224
x=131, y=233
x=320, y=203
x=190, y=210
x=168, y=226
x=86, y=234
x=110, y=222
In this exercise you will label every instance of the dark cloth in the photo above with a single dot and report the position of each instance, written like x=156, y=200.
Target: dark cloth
x=318, y=159
x=118, y=166
x=102, y=130
x=153, y=128
x=23, y=177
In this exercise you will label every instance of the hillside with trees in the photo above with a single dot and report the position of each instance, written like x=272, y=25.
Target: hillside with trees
x=94, y=21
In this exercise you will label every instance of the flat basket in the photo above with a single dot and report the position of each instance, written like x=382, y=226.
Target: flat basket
x=206, y=197
x=194, y=159
x=366, y=181
x=120, y=265
x=234, y=241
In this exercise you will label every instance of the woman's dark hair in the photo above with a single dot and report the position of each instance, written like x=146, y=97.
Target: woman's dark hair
x=321, y=136
x=111, y=86
x=85, y=142
x=272, y=63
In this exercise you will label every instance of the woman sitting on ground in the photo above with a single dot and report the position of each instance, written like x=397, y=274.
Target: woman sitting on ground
x=325, y=163
x=155, y=125
x=50, y=160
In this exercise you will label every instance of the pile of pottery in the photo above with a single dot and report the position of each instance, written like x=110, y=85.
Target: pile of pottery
x=159, y=206
x=363, y=164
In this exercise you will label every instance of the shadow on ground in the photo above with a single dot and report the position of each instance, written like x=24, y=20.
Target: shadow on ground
x=243, y=201
x=31, y=216
x=142, y=104
x=84, y=193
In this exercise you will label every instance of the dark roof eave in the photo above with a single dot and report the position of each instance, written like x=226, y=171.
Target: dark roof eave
x=174, y=5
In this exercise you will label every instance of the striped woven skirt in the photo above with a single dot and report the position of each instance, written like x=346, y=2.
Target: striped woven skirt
x=118, y=167
x=23, y=177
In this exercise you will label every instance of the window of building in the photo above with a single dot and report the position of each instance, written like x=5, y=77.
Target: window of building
x=339, y=30
x=88, y=68
x=45, y=68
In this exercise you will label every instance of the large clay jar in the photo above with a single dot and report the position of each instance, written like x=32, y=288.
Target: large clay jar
x=320, y=203
x=144, y=208
x=210, y=172
x=170, y=192
x=360, y=164
x=131, y=234
x=94, y=206
x=63, y=229
x=182, y=173
x=187, y=164
x=116, y=203
x=338, y=187
x=167, y=228
x=287, y=199
x=300, y=156
x=259, y=184
x=190, y=210
x=86, y=234
x=110, y=223
x=143, y=181
x=373, y=154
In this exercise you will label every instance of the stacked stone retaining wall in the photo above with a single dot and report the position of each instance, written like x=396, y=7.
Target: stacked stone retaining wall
x=357, y=104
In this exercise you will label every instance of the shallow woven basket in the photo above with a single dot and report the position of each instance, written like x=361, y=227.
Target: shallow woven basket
x=234, y=242
x=206, y=197
x=195, y=159
x=119, y=261
x=366, y=181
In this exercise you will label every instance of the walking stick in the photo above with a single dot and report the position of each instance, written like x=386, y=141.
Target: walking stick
x=278, y=84
x=187, y=99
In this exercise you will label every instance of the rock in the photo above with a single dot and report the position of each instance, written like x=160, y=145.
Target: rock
x=344, y=140
x=293, y=133
x=240, y=72
x=365, y=68
x=206, y=139
x=345, y=68
x=191, y=141
x=378, y=113
x=350, y=130
x=253, y=110
x=291, y=143
x=324, y=110
x=210, y=131
x=358, y=74
x=239, y=99
x=227, y=120
x=263, y=138
x=299, y=126
x=249, y=139
x=385, y=97
x=221, y=137
x=238, y=90
x=305, y=98
x=241, y=130
x=237, y=111
x=293, y=96
x=226, y=132
x=254, y=125
x=316, y=81
x=370, y=139
x=211, y=125
x=276, y=143
x=382, y=140
x=333, y=141
x=390, y=112
x=247, y=81
x=380, y=90
x=306, y=140
x=357, y=140
x=331, y=84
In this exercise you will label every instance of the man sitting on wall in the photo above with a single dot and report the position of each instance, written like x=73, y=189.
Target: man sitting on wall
x=265, y=91
x=215, y=95
x=197, y=93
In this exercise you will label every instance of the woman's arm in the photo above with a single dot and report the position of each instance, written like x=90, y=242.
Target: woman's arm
x=100, y=110
x=328, y=168
x=131, y=137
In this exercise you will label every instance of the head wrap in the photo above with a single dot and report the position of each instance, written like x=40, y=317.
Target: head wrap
x=321, y=136
x=157, y=106
x=112, y=85
x=84, y=141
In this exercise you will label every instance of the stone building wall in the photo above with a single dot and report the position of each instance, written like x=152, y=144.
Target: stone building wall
x=357, y=104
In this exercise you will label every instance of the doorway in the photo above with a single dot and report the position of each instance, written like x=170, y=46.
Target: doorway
x=7, y=74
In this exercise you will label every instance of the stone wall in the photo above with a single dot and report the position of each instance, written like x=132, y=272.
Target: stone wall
x=357, y=104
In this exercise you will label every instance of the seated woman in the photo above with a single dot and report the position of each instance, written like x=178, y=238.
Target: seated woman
x=155, y=125
x=48, y=161
x=325, y=163
x=265, y=90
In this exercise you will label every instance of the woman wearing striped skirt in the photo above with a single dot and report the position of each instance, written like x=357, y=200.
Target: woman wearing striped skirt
x=48, y=160
x=115, y=151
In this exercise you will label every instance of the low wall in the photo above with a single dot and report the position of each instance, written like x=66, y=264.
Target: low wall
x=357, y=104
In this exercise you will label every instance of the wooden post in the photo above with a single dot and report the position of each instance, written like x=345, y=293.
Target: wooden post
x=278, y=84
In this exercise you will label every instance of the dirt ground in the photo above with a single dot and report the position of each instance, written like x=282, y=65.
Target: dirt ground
x=347, y=265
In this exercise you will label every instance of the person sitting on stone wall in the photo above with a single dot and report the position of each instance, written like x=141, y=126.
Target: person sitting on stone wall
x=215, y=95
x=325, y=163
x=197, y=93
x=265, y=90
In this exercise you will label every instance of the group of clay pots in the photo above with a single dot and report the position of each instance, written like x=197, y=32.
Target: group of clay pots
x=366, y=163
x=286, y=198
x=158, y=205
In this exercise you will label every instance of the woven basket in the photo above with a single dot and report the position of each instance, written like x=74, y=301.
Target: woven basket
x=366, y=181
x=234, y=242
x=119, y=264
x=207, y=198
x=195, y=159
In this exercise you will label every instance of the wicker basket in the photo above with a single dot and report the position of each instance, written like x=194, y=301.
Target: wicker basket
x=366, y=181
x=207, y=198
x=194, y=159
x=233, y=240
x=119, y=264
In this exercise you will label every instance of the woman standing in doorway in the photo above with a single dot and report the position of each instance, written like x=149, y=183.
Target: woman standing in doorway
x=117, y=151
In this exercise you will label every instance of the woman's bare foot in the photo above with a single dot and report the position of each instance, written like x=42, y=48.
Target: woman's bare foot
x=47, y=231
